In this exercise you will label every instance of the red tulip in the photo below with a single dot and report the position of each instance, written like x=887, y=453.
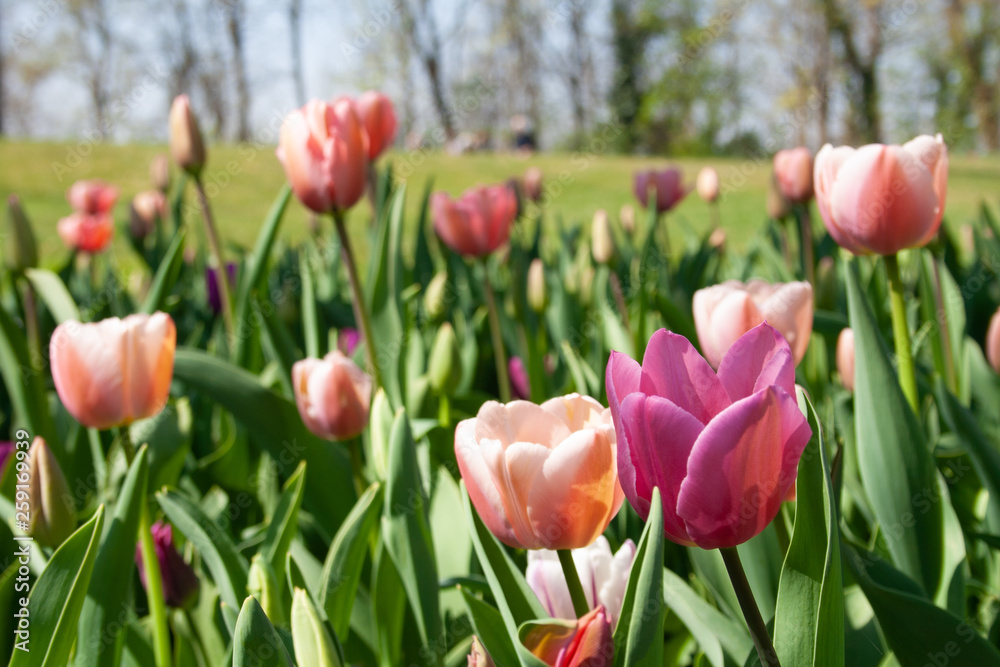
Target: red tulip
x=93, y=196
x=993, y=342
x=666, y=185
x=379, y=120
x=882, y=199
x=723, y=448
x=793, y=172
x=87, y=232
x=845, y=357
x=333, y=396
x=587, y=642
x=478, y=222
x=324, y=149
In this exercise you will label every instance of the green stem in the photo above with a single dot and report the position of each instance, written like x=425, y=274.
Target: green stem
x=222, y=276
x=444, y=411
x=806, y=239
x=503, y=379
x=154, y=591
x=125, y=438
x=901, y=332
x=580, y=606
x=758, y=630
x=942, y=323
x=357, y=466
x=360, y=309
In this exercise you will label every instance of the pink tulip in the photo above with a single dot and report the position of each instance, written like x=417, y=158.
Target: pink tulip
x=541, y=476
x=587, y=642
x=793, y=172
x=845, y=357
x=604, y=577
x=86, y=232
x=93, y=196
x=722, y=448
x=708, y=184
x=532, y=182
x=148, y=208
x=478, y=222
x=186, y=144
x=520, y=384
x=666, y=185
x=324, y=149
x=379, y=120
x=882, y=199
x=113, y=372
x=723, y=313
x=333, y=396
x=993, y=342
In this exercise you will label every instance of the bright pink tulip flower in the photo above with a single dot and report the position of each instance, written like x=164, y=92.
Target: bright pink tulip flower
x=793, y=172
x=541, y=476
x=587, y=642
x=113, y=372
x=93, y=196
x=478, y=222
x=665, y=184
x=379, y=120
x=333, y=395
x=845, y=357
x=882, y=199
x=88, y=232
x=722, y=448
x=993, y=342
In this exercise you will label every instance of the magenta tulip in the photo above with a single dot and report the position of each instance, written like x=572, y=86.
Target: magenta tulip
x=666, y=186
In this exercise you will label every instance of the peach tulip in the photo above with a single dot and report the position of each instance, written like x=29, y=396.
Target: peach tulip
x=845, y=357
x=723, y=313
x=793, y=173
x=708, y=184
x=93, y=196
x=113, y=372
x=666, y=185
x=333, y=396
x=541, y=476
x=478, y=222
x=378, y=117
x=993, y=342
x=186, y=144
x=532, y=182
x=586, y=642
x=148, y=208
x=324, y=149
x=882, y=199
x=722, y=448
x=86, y=232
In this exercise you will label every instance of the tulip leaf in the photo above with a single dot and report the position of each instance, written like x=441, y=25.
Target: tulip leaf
x=57, y=597
x=53, y=292
x=23, y=381
x=310, y=315
x=488, y=626
x=166, y=274
x=100, y=636
x=284, y=523
x=889, y=438
x=406, y=533
x=639, y=635
x=384, y=284
x=724, y=641
x=314, y=645
x=344, y=561
x=255, y=641
x=809, y=617
x=227, y=566
x=388, y=602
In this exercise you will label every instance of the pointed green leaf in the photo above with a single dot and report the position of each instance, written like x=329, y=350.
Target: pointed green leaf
x=639, y=635
x=255, y=641
x=284, y=523
x=487, y=624
x=53, y=292
x=166, y=274
x=384, y=284
x=723, y=640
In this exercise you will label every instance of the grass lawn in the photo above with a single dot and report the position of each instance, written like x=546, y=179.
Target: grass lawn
x=243, y=181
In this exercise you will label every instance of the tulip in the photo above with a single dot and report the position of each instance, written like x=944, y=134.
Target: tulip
x=717, y=239
x=314, y=646
x=519, y=383
x=148, y=208
x=377, y=116
x=722, y=448
x=993, y=342
x=185, y=138
x=92, y=196
x=159, y=173
x=667, y=186
x=348, y=339
x=708, y=184
x=723, y=313
x=587, y=642
x=86, y=232
x=845, y=357
x=626, y=214
x=22, y=249
x=541, y=476
x=180, y=583
x=212, y=285
x=6, y=449
x=537, y=294
x=324, y=150
x=532, y=182
x=478, y=222
x=604, y=578
x=113, y=372
x=52, y=514
x=793, y=170
x=777, y=205
x=882, y=199
x=602, y=244
x=478, y=657
x=445, y=368
x=333, y=395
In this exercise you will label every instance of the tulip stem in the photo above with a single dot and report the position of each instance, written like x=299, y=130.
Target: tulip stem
x=154, y=590
x=805, y=227
x=901, y=332
x=222, y=277
x=499, y=355
x=580, y=606
x=758, y=630
x=360, y=309
x=949, y=362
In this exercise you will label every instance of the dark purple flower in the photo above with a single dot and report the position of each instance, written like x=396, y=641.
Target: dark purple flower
x=519, y=384
x=6, y=449
x=212, y=285
x=347, y=340
x=180, y=583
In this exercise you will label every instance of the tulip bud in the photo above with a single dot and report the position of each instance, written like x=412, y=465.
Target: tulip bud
x=445, y=369
x=845, y=358
x=708, y=184
x=587, y=641
x=263, y=585
x=717, y=239
x=333, y=396
x=148, y=208
x=22, y=250
x=52, y=515
x=478, y=657
x=434, y=297
x=159, y=172
x=993, y=342
x=180, y=583
x=777, y=205
x=348, y=339
x=185, y=138
x=627, y=217
x=602, y=244
x=537, y=294
x=532, y=182
x=520, y=386
x=313, y=644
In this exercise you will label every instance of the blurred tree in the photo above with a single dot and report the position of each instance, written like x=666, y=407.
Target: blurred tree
x=974, y=29
x=91, y=39
x=235, y=11
x=633, y=24
x=858, y=27
x=420, y=28
x=295, y=42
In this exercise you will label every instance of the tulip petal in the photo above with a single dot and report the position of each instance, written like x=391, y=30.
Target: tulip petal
x=758, y=359
x=933, y=154
x=86, y=369
x=673, y=369
x=301, y=155
x=825, y=168
x=515, y=470
x=723, y=313
x=546, y=579
x=621, y=378
x=741, y=467
x=480, y=483
x=519, y=421
x=789, y=308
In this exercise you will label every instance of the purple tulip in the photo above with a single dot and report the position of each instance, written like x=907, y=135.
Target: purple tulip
x=347, y=340
x=519, y=384
x=666, y=186
x=180, y=583
x=212, y=285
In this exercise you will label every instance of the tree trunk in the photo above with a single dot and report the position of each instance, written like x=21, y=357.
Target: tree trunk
x=295, y=30
x=235, y=26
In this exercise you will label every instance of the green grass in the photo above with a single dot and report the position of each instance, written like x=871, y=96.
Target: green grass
x=243, y=181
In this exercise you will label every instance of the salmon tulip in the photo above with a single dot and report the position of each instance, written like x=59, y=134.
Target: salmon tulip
x=93, y=196
x=587, y=642
x=333, y=395
x=882, y=199
x=845, y=357
x=793, y=174
x=993, y=342
x=541, y=476
x=723, y=313
x=723, y=449
x=666, y=186
x=87, y=232
x=324, y=149
x=378, y=117
x=478, y=222
x=113, y=372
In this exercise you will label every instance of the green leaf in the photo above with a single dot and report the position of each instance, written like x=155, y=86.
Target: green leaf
x=23, y=380
x=723, y=640
x=313, y=643
x=53, y=292
x=255, y=641
x=488, y=626
x=166, y=274
x=388, y=603
x=384, y=284
x=809, y=618
x=100, y=636
x=310, y=317
x=897, y=470
x=57, y=597
x=639, y=635
x=284, y=523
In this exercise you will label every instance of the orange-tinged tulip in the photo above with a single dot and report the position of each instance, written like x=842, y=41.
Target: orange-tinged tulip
x=845, y=357
x=588, y=642
x=723, y=313
x=541, y=476
x=324, y=149
x=92, y=196
x=793, y=173
x=478, y=222
x=882, y=199
x=708, y=184
x=379, y=120
x=993, y=342
x=186, y=144
x=86, y=232
x=113, y=372
x=333, y=395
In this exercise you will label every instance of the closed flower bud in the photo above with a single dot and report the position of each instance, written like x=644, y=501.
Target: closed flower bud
x=159, y=172
x=602, y=244
x=52, y=516
x=533, y=184
x=332, y=395
x=845, y=357
x=793, y=173
x=717, y=239
x=22, y=250
x=520, y=385
x=445, y=369
x=180, y=583
x=708, y=184
x=537, y=294
x=435, y=302
x=586, y=642
x=185, y=138
x=148, y=208
x=478, y=657
x=313, y=644
x=263, y=585
x=627, y=217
